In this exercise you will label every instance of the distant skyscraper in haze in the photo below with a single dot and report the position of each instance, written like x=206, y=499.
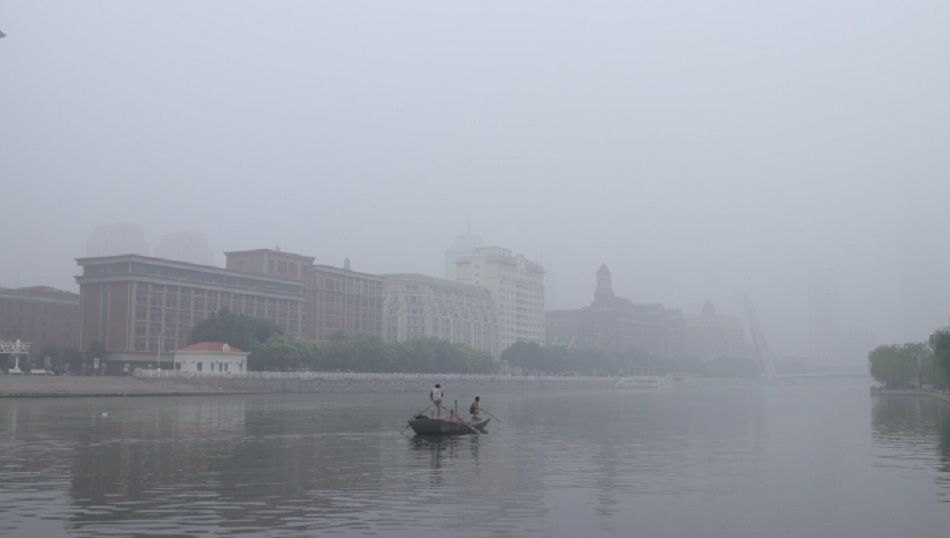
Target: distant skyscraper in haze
x=116, y=239
x=463, y=246
x=191, y=247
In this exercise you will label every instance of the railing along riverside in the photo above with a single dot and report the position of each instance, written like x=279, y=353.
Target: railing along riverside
x=357, y=376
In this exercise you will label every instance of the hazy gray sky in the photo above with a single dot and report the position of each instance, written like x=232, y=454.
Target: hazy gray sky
x=703, y=149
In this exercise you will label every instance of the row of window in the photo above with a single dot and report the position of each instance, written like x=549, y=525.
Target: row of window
x=350, y=285
x=207, y=277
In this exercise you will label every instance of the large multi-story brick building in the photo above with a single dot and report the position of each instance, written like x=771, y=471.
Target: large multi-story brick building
x=143, y=308
x=615, y=324
x=711, y=336
x=338, y=300
x=40, y=315
x=517, y=288
x=345, y=302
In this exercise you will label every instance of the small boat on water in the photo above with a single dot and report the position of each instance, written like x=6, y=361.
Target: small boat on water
x=452, y=425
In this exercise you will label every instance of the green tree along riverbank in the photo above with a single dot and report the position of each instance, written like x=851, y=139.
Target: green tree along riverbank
x=913, y=365
x=272, y=350
x=549, y=360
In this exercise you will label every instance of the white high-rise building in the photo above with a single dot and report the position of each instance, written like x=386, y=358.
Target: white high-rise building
x=418, y=306
x=517, y=288
x=463, y=246
x=117, y=239
x=191, y=247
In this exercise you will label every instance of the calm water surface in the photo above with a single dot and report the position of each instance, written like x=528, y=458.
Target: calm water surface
x=798, y=460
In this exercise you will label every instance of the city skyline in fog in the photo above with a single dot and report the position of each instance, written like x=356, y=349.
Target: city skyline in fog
x=703, y=151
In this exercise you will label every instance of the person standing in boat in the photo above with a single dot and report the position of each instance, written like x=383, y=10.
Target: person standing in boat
x=436, y=395
x=473, y=410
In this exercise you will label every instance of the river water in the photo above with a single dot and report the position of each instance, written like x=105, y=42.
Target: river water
x=817, y=458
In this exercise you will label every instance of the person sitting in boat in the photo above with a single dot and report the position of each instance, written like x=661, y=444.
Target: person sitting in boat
x=473, y=410
x=436, y=395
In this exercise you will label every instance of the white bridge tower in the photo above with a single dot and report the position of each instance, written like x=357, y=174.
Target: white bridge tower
x=763, y=354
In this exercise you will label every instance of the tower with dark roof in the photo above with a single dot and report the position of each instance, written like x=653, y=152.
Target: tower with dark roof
x=604, y=289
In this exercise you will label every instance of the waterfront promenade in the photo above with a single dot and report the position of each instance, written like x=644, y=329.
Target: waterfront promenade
x=168, y=383
x=64, y=386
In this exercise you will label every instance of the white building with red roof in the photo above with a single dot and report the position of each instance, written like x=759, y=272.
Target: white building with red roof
x=211, y=358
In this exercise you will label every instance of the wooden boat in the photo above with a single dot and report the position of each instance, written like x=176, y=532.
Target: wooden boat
x=452, y=425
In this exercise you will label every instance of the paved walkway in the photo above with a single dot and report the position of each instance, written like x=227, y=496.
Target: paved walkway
x=32, y=386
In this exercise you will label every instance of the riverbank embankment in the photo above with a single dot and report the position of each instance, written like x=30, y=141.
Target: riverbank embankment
x=164, y=383
x=20, y=386
x=941, y=395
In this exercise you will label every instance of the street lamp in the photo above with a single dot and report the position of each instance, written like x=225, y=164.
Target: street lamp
x=158, y=352
x=16, y=349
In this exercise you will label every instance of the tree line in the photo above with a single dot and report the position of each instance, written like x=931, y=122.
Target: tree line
x=272, y=350
x=535, y=359
x=913, y=365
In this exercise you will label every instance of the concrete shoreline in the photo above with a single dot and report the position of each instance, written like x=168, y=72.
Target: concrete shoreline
x=171, y=384
x=77, y=386
x=166, y=383
x=941, y=395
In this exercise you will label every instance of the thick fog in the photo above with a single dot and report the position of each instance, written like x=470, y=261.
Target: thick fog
x=703, y=150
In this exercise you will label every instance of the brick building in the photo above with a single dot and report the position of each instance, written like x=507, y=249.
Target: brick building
x=40, y=315
x=142, y=308
x=710, y=335
x=345, y=302
x=615, y=324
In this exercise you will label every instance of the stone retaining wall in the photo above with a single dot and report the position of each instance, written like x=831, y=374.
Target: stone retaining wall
x=941, y=395
x=172, y=384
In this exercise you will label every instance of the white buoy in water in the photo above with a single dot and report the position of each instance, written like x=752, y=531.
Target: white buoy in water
x=104, y=415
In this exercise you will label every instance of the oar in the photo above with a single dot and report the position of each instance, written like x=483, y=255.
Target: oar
x=489, y=414
x=470, y=426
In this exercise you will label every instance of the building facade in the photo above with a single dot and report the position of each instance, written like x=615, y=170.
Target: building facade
x=285, y=266
x=711, y=336
x=418, y=306
x=40, y=315
x=142, y=308
x=517, y=289
x=345, y=302
x=463, y=247
x=615, y=325
x=211, y=358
